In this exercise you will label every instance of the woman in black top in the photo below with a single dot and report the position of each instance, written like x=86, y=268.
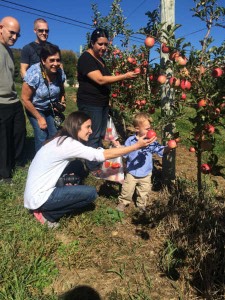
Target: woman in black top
x=94, y=88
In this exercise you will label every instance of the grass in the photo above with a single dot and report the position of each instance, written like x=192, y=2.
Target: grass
x=173, y=251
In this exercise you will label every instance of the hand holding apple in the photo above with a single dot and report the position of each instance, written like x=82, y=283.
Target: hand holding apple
x=144, y=142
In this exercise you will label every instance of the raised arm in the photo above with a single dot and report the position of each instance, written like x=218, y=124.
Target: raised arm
x=100, y=79
x=116, y=152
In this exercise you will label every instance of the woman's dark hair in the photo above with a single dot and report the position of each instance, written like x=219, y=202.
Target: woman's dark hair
x=97, y=33
x=48, y=50
x=72, y=126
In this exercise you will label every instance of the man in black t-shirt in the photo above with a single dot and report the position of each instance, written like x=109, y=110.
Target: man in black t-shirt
x=30, y=52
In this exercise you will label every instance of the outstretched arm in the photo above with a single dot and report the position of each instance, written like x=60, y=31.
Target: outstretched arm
x=116, y=152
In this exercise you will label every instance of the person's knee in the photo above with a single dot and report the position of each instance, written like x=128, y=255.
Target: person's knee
x=92, y=193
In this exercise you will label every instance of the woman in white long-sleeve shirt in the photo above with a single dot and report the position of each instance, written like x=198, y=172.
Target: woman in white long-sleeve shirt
x=47, y=201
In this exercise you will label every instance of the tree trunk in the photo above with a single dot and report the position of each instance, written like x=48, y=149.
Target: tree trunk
x=168, y=172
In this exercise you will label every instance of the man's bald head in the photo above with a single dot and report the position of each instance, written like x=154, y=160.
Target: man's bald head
x=9, y=30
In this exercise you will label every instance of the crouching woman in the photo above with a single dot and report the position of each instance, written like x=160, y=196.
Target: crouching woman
x=48, y=202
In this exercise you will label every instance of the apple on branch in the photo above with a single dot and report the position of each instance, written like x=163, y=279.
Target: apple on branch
x=161, y=79
x=192, y=149
x=205, y=168
x=171, y=144
x=149, y=42
x=217, y=72
x=137, y=70
x=165, y=48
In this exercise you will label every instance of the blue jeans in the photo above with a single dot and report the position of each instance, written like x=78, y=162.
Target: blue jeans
x=40, y=135
x=99, y=116
x=66, y=200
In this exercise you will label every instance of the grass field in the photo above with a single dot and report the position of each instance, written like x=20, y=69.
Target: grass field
x=173, y=251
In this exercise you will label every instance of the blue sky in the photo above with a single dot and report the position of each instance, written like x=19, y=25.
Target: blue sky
x=71, y=37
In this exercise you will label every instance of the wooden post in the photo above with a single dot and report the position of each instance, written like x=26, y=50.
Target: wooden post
x=168, y=162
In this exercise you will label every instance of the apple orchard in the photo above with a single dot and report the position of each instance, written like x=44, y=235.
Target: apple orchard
x=188, y=77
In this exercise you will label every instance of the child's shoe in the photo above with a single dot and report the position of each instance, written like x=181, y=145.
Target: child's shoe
x=121, y=207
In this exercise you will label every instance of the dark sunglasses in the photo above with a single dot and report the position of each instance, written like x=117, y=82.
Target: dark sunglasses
x=13, y=32
x=43, y=30
x=51, y=60
x=101, y=44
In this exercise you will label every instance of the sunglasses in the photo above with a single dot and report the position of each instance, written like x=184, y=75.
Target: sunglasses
x=101, y=44
x=51, y=60
x=13, y=32
x=43, y=30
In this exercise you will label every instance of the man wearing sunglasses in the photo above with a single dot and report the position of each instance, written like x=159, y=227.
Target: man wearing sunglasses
x=12, y=119
x=31, y=52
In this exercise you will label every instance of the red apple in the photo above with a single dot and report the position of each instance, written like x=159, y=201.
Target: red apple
x=202, y=103
x=217, y=72
x=116, y=51
x=205, y=168
x=222, y=106
x=165, y=48
x=115, y=165
x=130, y=59
x=171, y=144
x=161, y=79
x=149, y=42
x=185, y=84
x=138, y=102
x=192, y=149
x=137, y=70
x=182, y=61
x=173, y=81
x=145, y=63
x=151, y=110
x=107, y=164
x=151, y=77
x=114, y=95
x=199, y=136
x=143, y=102
x=201, y=69
x=183, y=96
x=209, y=128
x=174, y=55
x=150, y=134
x=217, y=111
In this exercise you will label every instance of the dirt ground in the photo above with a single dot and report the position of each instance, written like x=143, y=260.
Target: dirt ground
x=124, y=263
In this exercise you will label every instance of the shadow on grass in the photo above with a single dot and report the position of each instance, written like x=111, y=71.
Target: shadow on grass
x=109, y=189
x=195, y=237
x=81, y=292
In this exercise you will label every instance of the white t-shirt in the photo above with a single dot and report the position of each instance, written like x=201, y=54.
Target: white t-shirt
x=49, y=163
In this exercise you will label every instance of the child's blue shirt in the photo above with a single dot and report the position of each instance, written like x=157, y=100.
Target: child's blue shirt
x=139, y=162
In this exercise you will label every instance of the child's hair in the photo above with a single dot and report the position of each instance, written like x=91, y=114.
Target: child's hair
x=139, y=118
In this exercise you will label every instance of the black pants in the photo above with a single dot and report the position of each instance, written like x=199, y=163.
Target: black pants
x=12, y=136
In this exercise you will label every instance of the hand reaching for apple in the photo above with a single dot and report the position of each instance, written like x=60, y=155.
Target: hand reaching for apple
x=131, y=75
x=144, y=141
x=116, y=143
